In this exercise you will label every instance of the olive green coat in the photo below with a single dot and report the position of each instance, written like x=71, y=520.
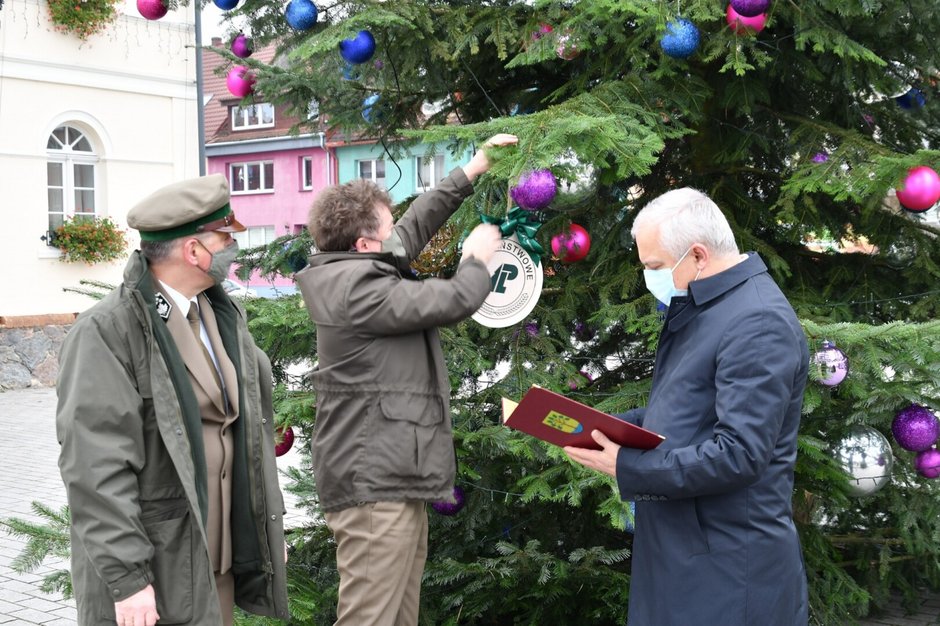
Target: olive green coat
x=134, y=470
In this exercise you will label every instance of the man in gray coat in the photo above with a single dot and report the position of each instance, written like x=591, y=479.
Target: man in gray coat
x=382, y=446
x=715, y=541
x=166, y=427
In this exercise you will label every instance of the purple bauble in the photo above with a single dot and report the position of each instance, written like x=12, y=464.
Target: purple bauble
x=681, y=39
x=915, y=428
x=301, y=14
x=446, y=507
x=532, y=328
x=927, y=463
x=820, y=157
x=535, y=190
x=152, y=9
x=750, y=8
x=359, y=49
x=286, y=435
x=832, y=363
x=240, y=81
x=241, y=46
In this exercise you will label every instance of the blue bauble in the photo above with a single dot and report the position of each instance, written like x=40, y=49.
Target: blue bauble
x=913, y=99
x=301, y=14
x=226, y=5
x=369, y=108
x=359, y=49
x=681, y=39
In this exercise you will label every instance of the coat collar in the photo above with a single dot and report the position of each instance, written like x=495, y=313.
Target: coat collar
x=707, y=289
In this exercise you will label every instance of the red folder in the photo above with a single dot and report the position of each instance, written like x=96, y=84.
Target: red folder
x=562, y=421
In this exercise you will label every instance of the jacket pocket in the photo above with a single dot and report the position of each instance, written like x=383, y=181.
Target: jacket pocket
x=408, y=440
x=423, y=410
x=172, y=563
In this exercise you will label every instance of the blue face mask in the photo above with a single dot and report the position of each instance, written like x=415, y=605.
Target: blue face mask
x=661, y=284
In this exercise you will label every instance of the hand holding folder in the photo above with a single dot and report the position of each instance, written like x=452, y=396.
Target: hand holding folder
x=561, y=421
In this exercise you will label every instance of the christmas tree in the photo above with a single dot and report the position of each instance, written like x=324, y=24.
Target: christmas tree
x=799, y=122
x=800, y=125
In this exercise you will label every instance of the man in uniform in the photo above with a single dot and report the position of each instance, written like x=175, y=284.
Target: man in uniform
x=166, y=427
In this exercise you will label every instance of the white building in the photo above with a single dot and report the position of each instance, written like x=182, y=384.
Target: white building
x=85, y=127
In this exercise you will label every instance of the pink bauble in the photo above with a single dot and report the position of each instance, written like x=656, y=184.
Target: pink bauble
x=543, y=30
x=286, y=435
x=740, y=24
x=921, y=189
x=927, y=463
x=241, y=46
x=567, y=47
x=152, y=9
x=240, y=81
x=571, y=245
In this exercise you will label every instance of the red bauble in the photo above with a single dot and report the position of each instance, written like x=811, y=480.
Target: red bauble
x=921, y=189
x=741, y=24
x=286, y=435
x=152, y=9
x=571, y=245
x=240, y=81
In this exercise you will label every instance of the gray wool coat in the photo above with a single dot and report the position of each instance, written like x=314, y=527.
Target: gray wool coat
x=715, y=541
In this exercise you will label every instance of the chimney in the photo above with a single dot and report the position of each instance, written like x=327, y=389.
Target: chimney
x=216, y=42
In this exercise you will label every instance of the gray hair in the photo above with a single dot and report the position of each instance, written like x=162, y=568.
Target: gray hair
x=687, y=216
x=159, y=251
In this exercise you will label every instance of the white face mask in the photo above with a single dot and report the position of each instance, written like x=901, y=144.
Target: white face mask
x=661, y=284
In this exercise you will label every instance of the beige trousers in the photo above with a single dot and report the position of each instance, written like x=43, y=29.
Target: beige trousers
x=381, y=548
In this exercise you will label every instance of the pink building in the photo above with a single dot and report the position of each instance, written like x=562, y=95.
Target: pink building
x=273, y=176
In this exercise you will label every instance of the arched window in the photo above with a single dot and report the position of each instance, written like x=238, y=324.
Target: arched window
x=70, y=175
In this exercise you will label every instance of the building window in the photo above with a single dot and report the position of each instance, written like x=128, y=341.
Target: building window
x=253, y=116
x=374, y=170
x=254, y=236
x=430, y=171
x=70, y=176
x=306, y=173
x=255, y=177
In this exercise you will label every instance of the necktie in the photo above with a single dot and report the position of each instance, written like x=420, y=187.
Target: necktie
x=193, y=317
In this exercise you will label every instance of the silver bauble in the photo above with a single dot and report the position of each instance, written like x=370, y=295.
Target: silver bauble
x=865, y=456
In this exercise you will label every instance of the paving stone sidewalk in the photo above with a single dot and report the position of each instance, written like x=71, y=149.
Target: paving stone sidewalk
x=28, y=472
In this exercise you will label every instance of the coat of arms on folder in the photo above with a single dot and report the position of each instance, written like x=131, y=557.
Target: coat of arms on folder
x=561, y=421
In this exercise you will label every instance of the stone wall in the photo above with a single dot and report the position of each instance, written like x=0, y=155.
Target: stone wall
x=29, y=353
